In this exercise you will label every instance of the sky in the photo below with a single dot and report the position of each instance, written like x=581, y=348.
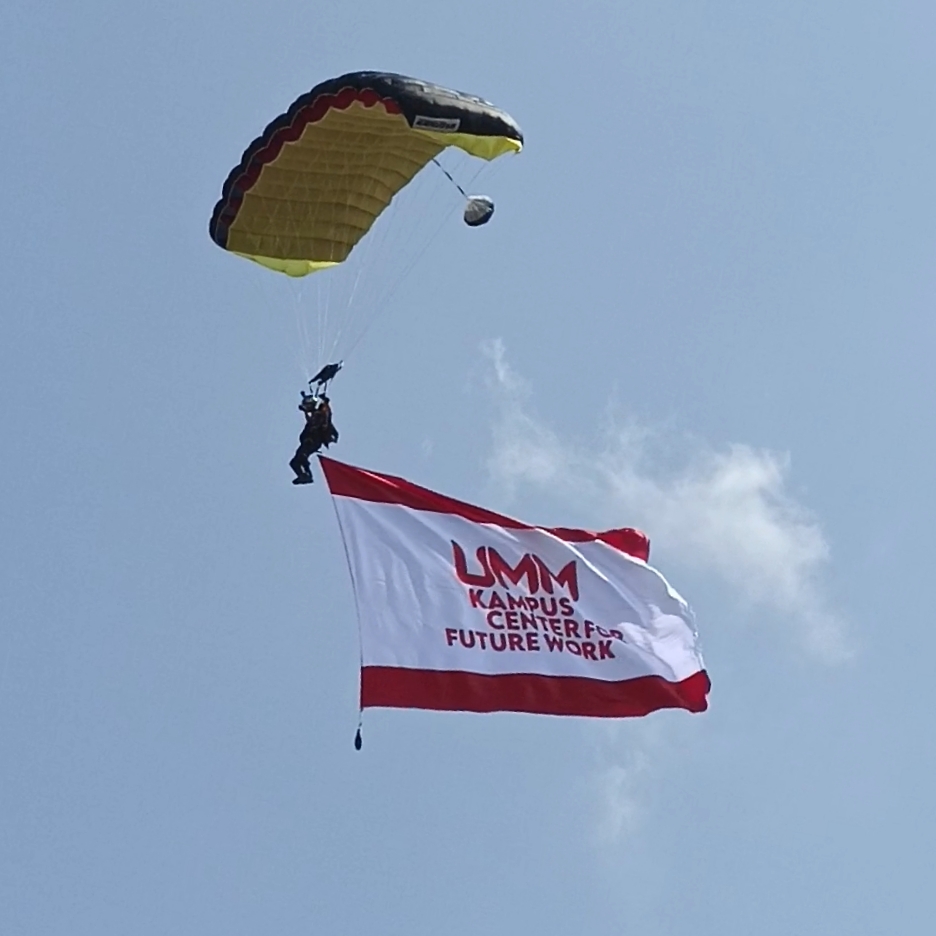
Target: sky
x=703, y=307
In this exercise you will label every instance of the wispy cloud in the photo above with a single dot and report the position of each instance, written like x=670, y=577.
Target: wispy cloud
x=631, y=757
x=620, y=784
x=726, y=513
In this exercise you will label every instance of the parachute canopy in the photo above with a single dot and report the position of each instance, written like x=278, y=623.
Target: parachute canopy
x=308, y=189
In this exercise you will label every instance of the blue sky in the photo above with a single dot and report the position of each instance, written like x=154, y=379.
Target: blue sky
x=704, y=306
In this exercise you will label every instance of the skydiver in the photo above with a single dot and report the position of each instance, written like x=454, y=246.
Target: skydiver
x=317, y=431
x=309, y=442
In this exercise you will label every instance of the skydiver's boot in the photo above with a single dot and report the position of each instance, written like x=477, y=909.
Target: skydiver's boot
x=300, y=466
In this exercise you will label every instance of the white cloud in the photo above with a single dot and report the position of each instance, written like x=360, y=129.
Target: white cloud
x=630, y=756
x=727, y=513
x=621, y=795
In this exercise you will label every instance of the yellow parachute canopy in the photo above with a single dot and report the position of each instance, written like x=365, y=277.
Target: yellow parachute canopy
x=311, y=186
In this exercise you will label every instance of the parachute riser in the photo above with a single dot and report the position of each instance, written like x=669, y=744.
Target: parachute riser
x=448, y=176
x=478, y=208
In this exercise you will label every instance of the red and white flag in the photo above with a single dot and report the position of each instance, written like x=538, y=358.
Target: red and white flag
x=463, y=609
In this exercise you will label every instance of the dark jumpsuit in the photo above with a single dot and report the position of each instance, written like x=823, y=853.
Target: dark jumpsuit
x=317, y=431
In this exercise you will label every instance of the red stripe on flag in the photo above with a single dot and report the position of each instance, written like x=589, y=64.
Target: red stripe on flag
x=347, y=481
x=394, y=687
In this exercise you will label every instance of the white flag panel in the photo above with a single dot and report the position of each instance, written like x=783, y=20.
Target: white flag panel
x=460, y=608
